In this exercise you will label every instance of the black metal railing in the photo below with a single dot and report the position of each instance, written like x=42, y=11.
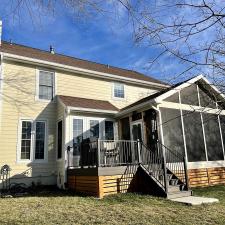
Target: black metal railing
x=103, y=153
x=153, y=163
x=175, y=164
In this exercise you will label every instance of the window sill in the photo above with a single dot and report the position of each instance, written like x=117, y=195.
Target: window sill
x=42, y=161
x=118, y=99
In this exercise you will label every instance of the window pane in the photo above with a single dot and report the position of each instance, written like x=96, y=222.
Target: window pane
x=213, y=137
x=194, y=136
x=46, y=78
x=94, y=128
x=119, y=90
x=40, y=140
x=172, y=129
x=77, y=130
x=59, y=139
x=45, y=92
x=26, y=140
x=189, y=95
x=109, y=132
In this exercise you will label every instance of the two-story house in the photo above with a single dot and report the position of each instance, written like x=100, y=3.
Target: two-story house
x=79, y=124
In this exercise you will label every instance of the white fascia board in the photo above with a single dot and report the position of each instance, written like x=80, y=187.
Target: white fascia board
x=80, y=109
x=160, y=98
x=82, y=71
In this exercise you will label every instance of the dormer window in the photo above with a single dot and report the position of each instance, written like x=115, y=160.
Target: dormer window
x=118, y=91
x=45, y=85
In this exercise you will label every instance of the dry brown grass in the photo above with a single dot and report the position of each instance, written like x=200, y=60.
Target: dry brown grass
x=61, y=208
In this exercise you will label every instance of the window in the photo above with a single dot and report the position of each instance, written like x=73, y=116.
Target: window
x=118, y=91
x=25, y=140
x=77, y=130
x=33, y=140
x=109, y=131
x=59, y=140
x=94, y=128
x=40, y=140
x=46, y=85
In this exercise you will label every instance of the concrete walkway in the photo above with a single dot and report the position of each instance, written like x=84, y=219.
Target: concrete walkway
x=194, y=200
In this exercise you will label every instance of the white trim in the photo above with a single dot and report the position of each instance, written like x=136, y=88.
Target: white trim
x=204, y=164
x=91, y=110
x=183, y=131
x=113, y=91
x=37, y=84
x=82, y=71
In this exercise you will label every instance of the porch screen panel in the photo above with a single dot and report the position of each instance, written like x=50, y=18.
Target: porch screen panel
x=213, y=137
x=194, y=136
x=206, y=99
x=173, y=98
x=222, y=123
x=94, y=128
x=172, y=129
x=189, y=95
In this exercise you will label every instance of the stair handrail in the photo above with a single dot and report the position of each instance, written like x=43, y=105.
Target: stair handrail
x=176, y=163
x=154, y=165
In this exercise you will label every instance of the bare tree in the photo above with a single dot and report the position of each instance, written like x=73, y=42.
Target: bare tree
x=188, y=31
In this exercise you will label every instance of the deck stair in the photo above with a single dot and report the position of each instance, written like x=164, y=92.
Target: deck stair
x=167, y=170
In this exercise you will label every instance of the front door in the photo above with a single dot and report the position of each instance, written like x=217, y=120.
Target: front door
x=136, y=128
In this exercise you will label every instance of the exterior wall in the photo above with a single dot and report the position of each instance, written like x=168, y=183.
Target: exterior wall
x=101, y=89
x=18, y=102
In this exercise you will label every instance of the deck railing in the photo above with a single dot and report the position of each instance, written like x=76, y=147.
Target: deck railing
x=175, y=163
x=104, y=153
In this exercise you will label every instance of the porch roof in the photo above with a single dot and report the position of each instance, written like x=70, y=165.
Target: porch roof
x=85, y=104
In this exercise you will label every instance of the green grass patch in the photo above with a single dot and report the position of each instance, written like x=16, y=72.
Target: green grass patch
x=63, y=208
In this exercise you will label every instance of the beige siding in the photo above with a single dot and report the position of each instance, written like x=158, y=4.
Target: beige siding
x=86, y=87
x=19, y=102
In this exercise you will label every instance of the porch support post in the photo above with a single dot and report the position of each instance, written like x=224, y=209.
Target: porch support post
x=98, y=153
x=186, y=173
x=139, y=151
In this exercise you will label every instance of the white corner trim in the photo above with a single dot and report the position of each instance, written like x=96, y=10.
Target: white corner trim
x=82, y=71
x=1, y=87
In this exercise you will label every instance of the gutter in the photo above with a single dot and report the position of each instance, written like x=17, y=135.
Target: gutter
x=87, y=72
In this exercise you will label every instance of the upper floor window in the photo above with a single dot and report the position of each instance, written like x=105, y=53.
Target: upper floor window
x=46, y=85
x=118, y=90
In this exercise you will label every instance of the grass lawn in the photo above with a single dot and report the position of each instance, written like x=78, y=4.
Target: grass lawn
x=61, y=208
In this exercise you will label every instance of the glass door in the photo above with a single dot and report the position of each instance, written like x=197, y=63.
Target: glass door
x=137, y=131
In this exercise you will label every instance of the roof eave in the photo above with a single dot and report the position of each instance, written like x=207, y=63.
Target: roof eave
x=92, y=73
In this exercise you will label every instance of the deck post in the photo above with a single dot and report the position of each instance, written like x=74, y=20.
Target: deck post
x=186, y=173
x=139, y=151
x=98, y=153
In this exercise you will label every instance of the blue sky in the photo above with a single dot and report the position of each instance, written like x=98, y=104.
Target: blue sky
x=101, y=40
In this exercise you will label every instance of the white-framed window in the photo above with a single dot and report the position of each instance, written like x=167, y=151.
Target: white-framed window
x=118, y=90
x=45, y=85
x=32, y=140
